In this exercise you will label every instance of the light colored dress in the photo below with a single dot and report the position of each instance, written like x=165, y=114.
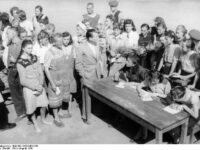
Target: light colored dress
x=31, y=77
x=56, y=61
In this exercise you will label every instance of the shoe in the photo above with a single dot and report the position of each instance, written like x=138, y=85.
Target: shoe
x=29, y=122
x=8, y=126
x=19, y=118
x=58, y=124
x=86, y=121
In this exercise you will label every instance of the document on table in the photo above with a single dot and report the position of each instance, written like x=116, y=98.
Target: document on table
x=121, y=85
x=171, y=110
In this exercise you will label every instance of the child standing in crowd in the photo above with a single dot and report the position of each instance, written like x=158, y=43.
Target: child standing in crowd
x=26, y=24
x=91, y=16
x=181, y=32
x=159, y=48
x=188, y=64
x=14, y=12
x=36, y=19
x=109, y=26
x=32, y=79
x=42, y=46
x=171, y=54
x=117, y=15
x=50, y=29
x=116, y=44
x=81, y=30
x=144, y=43
x=130, y=35
x=70, y=56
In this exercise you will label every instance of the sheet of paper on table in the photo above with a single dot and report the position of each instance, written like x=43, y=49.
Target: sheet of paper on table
x=171, y=111
x=121, y=85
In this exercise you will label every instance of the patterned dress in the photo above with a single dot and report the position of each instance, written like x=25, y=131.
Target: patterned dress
x=32, y=77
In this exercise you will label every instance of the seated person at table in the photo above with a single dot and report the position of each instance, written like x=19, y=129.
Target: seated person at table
x=188, y=65
x=171, y=54
x=158, y=86
x=132, y=71
x=189, y=101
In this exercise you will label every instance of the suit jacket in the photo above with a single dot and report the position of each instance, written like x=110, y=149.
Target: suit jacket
x=87, y=64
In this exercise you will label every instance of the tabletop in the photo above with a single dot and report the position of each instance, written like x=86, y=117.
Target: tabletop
x=127, y=97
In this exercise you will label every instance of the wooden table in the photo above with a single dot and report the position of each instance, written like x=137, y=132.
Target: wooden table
x=148, y=114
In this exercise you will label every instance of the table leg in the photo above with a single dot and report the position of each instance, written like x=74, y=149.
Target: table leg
x=159, y=136
x=184, y=129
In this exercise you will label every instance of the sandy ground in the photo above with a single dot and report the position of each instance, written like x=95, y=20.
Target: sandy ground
x=74, y=132
x=66, y=13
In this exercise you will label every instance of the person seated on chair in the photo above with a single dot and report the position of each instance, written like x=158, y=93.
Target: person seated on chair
x=159, y=87
x=188, y=101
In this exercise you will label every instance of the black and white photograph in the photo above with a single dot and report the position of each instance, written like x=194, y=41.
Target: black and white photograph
x=99, y=72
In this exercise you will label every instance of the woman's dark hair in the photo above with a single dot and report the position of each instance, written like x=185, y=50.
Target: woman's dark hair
x=42, y=35
x=39, y=7
x=163, y=25
x=190, y=44
x=159, y=20
x=129, y=21
x=14, y=9
x=67, y=34
x=153, y=74
x=171, y=34
x=22, y=15
x=4, y=18
x=89, y=33
x=178, y=92
x=145, y=25
x=24, y=44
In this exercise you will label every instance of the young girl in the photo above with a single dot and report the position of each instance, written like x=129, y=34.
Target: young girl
x=81, y=31
x=109, y=26
x=32, y=79
x=69, y=52
x=189, y=102
x=130, y=35
x=26, y=24
x=158, y=86
x=171, y=54
x=188, y=65
x=116, y=44
x=181, y=32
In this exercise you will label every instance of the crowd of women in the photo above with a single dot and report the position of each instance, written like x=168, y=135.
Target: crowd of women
x=45, y=69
